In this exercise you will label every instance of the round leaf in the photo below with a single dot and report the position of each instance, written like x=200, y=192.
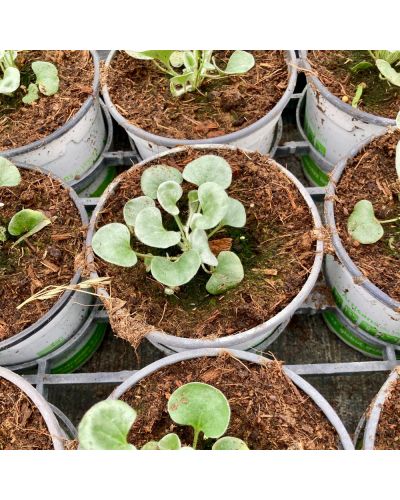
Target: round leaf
x=226, y=275
x=46, y=77
x=134, y=206
x=362, y=224
x=176, y=59
x=235, y=215
x=10, y=81
x=230, y=443
x=201, y=406
x=9, y=173
x=170, y=442
x=199, y=241
x=208, y=168
x=32, y=95
x=106, y=426
x=214, y=204
x=168, y=193
x=151, y=445
x=112, y=243
x=149, y=229
x=239, y=62
x=178, y=272
x=388, y=72
x=152, y=177
x=138, y=55
x=24, y=221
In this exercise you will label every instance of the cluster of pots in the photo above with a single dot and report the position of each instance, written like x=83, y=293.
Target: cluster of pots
x=334, y=131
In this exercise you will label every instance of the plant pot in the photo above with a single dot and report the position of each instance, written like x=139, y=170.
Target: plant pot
x=369, y=311
x=60, y=323
x=373, y=414
x=73, y=149
x=54, y=429
x=254, y=338
x=256, y=137
x=332, y=127
x=311, y=392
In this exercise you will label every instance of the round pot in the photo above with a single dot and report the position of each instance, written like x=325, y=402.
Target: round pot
x=255, y=338
x=366, y=307
x=73, y=149
x=256, y=137
x=373, y=414
x=308, y=389
x=331, y=126
x=59, y=324
x=57, y=434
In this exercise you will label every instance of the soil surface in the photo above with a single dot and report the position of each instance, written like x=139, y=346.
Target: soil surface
x=46, y=258
x=388, y=431
x=141, y=93
x=267, y=409
x=22, y=124
x=333, y=69
x=371, y=175
x=22, y=427
x=277, y=250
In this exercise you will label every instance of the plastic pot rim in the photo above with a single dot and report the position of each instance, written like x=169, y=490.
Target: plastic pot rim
x=46, y=318
x=27, y=148
x=341, y=252
x=41, y=404
x=307, y=388
x=188, y=343
x=222, y=139
x=338, y=103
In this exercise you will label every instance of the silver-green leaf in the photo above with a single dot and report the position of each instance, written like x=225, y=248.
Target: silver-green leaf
x=24, y=221
x=46, y=77
x=214, y=204
x=106, y=426
x=178, y=272
x=32, y=95
x=10, y=81
x=239, y=62
x=133, y=207
x=235, y=215
x=230, y=443
x=388, y=72
x=208, y=168
x=228, y=274
x=168, y=193
x=149, y=229
x=170, y=442
x=362, y=224
x=199, y=242
x=152, y=177
x=112, y=244
x=9, y=173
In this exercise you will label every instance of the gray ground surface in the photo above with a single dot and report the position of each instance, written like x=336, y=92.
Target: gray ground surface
x=306, y=340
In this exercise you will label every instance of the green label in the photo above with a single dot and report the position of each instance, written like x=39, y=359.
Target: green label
x=313, y=172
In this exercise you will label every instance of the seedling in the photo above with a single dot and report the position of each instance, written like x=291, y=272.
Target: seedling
x=362, y=224
x=201, y=406
x=209, y=209
x=47, y=81
x=26, y=222
x=189, y=69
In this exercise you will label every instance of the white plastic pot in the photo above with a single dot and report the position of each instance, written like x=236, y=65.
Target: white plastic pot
x=256, y=137
x=331, y=126
x=255, y=338
x=373, y=414
x=307, y=388
x=57, y=326
x=72, y=149
x=55, y=431
x=362, y=303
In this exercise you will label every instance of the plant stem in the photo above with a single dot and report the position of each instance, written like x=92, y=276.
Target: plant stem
x=143, y=255
x=215, y=230
x=181, y=228
x=389, y=220
x=195, y=438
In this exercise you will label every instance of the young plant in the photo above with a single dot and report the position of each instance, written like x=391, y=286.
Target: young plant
x=201, y=406
x=189, y=69
x=26, y=222
x=362, y=224
x=46, y=77
x=209, y=209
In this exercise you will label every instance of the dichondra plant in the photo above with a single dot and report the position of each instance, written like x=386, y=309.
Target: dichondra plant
x=209, y=208
x=189, y=69
x=201, y=406
x=26, y=222
x=362, y=224
x=46, y=77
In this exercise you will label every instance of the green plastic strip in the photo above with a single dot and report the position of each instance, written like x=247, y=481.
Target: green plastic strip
x=111, y=174
x=313, y=172
x=80, y=357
